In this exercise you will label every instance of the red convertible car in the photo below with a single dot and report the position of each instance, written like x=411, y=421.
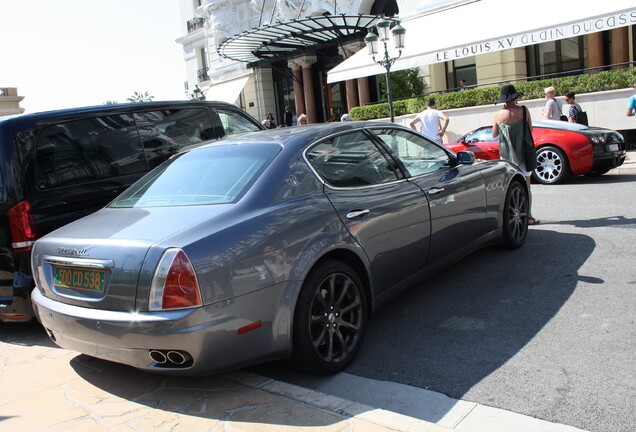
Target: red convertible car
x=563, y=149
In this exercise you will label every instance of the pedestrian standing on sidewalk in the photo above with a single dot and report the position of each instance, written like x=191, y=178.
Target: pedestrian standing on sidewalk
x=573, y=107
x=509, y=126
x=631, y=105
x=434, y=122
x=552, y=110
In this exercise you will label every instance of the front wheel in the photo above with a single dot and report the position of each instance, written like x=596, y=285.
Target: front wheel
x=330, y=319
x=515, y=216
x=552, y=166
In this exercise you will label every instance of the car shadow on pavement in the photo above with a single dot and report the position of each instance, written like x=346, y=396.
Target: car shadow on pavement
x=446, y=336
x=608, y=178
x=25, y=334
x=604, y=222
x=465, y=323
x=152, y=401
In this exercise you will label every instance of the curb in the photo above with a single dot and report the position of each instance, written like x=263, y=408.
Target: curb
x=390, y=420
x=453, y=414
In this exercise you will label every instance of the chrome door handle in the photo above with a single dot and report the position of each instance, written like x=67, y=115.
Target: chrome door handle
x=435, y=191
x=353, y=214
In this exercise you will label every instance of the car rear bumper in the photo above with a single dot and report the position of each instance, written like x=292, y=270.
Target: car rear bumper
x=607, y=160
x=208, y=337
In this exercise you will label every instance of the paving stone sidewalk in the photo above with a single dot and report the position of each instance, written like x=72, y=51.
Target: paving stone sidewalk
x=45, y=388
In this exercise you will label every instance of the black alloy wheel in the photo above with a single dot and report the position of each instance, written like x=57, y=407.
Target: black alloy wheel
x=330, y=319
x=515, y=216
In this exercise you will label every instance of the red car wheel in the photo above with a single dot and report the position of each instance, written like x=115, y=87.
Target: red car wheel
x=552, y=166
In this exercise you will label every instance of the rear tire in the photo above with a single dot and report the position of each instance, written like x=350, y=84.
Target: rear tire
x=330, y=319
x=552, y=166
x=515, y=216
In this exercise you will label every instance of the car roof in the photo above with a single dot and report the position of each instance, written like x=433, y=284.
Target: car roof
x=299, y=136
x=45, y=117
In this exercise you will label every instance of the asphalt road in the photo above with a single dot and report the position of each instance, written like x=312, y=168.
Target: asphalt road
x=548, y=330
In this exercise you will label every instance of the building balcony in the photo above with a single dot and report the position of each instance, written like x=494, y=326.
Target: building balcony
x=195, y=23
x=202, y=75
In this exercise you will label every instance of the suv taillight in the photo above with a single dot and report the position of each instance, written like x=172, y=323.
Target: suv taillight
x=21, y=222
x=174, y=285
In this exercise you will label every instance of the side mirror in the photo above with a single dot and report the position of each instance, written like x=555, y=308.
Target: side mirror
x=465, y=157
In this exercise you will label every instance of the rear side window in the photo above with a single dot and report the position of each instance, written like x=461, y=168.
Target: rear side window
x=89, y=149
x=168, y=131
x=235, y=123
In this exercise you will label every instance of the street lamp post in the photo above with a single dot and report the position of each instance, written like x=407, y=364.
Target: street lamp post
x=398, y=32
x=197, y=93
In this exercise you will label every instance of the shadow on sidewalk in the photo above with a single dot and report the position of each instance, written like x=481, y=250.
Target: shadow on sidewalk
x=463, y=324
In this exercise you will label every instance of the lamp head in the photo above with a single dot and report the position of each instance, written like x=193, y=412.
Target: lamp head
x=371, y=39
x=399, y=36
x=383, y=28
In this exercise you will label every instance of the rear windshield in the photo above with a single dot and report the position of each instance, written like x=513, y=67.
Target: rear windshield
x=212, y=175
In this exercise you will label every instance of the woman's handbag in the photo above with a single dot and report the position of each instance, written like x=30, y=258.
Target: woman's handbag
x=562, y=117
x=529, y=152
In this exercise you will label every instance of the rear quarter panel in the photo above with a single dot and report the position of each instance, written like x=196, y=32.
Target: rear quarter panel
x=576, y=146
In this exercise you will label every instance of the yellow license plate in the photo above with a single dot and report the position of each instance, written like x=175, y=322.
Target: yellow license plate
x=79, y=279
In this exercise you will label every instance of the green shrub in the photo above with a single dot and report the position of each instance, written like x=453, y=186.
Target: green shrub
x=584, y=83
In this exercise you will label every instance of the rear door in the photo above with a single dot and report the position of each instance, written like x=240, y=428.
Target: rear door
x=387, y=215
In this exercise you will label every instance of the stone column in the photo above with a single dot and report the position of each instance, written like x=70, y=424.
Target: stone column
x=351, y=85
x=620, y=46
x=299, y=94
x=310, y=99
x=364, y=95
x=305, y=63
x=352, y=94
x=595, y=56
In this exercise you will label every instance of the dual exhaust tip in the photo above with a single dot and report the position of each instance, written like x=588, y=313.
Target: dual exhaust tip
x=171, y=358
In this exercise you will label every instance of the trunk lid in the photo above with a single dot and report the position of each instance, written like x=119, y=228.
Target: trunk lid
x=97, y=262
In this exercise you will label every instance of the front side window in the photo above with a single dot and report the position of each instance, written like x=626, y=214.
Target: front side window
x=480, y=135
x=165, y=132
x=350, y=160
x=90, y=149
x=211, y=175
x=235, y=123
x=418, y=155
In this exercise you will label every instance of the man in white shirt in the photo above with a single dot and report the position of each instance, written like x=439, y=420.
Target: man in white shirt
x=434, y=122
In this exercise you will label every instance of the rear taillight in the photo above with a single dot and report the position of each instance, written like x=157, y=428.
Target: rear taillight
x=174, y=285
x=21, y=222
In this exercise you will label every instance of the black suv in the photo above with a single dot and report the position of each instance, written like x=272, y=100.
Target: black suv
x=58, y=166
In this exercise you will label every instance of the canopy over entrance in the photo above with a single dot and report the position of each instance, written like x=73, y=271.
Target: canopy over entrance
x=486, y=26
x=227, y=91
x=285, y=39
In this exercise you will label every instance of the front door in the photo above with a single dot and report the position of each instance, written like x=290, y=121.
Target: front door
x=456, y=193
x=387, y=215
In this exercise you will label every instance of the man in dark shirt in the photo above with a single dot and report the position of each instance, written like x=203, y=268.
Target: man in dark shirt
x=288, y=117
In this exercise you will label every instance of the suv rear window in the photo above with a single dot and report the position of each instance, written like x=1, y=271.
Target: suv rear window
x=89, y=149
